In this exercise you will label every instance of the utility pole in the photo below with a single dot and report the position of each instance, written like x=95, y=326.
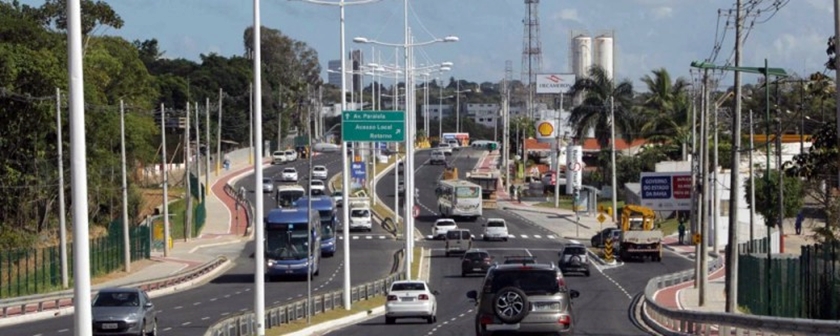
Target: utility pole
x=207, y=146
x=695, y=164
x=62, y=212
x=251, y=123
x=731, y=285
x=219, y=136
x=703, y=256
x=164, y=173
x=836, y=72
x=612, y=160
x=187, y=182
x=197, y=150
x=752, y=185
x=781, y=182
x=279, y=119
x=126, y=238
x=715, y=182
x=458, y=107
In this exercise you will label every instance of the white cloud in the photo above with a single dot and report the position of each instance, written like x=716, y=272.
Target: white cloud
x=568, y=14
x=663, y=12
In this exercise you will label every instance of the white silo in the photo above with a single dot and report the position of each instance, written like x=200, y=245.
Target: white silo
x=582, y=55
x=604, y=53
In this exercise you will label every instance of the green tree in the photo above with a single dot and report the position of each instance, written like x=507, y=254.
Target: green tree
x=767, y=196
x=593, y=113
x=665, y=112
x=818, y=169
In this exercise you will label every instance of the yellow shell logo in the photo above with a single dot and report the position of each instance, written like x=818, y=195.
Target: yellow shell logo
x=545, y=129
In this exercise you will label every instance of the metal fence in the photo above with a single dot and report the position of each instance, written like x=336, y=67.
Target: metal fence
x=805, y=286
x=29, y=271
x=244, y=324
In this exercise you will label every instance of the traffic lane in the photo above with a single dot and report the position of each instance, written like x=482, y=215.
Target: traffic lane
x=428, y=177
x=634, y=275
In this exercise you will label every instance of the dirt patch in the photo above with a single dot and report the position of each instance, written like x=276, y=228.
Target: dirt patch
x=153, y=198
x=135, y=267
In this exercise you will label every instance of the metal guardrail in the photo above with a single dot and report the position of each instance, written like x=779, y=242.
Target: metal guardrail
x=670, y=321
x=43, y=302
x=245, y=324
x=242, y=201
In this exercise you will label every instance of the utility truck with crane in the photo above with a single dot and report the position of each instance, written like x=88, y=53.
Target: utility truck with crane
x=640, y=238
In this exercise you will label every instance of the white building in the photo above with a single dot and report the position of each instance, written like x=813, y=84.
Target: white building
x=483, y=114
x=438, y=110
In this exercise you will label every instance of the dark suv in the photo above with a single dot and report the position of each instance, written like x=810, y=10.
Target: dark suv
x=530, y=298
x=573, y=258
x=476, y=261
x=600, y=238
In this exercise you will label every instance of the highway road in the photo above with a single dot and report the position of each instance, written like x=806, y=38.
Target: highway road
x=191, y=312
x=602, y=308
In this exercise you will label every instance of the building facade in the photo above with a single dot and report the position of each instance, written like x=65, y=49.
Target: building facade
x=438, y=110
x=483, y=114
x=334, y=72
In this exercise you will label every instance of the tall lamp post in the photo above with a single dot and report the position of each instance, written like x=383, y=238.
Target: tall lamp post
x=345, y=164
x=731, y=251
x=410, y=129
x=458, y=93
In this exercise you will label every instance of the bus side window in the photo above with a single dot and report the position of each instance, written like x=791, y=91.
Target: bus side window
x=437, y=191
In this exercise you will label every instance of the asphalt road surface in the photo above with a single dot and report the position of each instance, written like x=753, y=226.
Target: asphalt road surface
x=191, y=312
x=602, y=308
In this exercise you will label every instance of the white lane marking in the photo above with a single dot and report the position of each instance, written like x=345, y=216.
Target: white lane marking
x=167, y=329
x=179, y=307
x=186, y=323
x=524, y=236
x=537, y=236
x=205, y=318
x=551, y=237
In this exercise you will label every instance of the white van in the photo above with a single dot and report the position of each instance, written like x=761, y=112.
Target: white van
x=437, y=157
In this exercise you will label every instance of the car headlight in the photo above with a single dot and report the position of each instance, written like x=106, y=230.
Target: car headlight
x=269, y=262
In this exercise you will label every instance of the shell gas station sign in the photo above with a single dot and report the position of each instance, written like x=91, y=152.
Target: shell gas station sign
x=546, y=130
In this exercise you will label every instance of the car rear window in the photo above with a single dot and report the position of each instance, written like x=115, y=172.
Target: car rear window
x=575, y=250
x=531, y=281
x=408, y=286
x=289, y=170
x=496, y=224
x=476, y=255
x=359, y=213
x=457, y=235
x=446, y=223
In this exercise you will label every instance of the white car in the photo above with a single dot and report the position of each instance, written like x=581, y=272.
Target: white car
x=495, y=228
x=442, y=226
x=338, y=198
x=318, y=187
x=454, y=144
x=445, y=148
x=360, y=218
x=278, y=157
x=289, y=175
x=319, y=172
x=291, y=155
x=437, y=157
x=410, y=299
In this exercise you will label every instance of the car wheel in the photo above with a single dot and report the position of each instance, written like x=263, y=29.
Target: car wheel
x=430, y=319
x=505, y=239
x=486, y=239
x=586, y=273
x=510, y=305
x=463, y=274
x=142, y=329
x=154, y=330
x=389, y=320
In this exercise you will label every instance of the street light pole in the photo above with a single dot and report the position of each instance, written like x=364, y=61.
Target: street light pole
x=612, y=160
x=259, y=234
x=409, y=145
x=125, y=236
x=768, y=221
x=62, y=212
x=458, y=107
x=440, y=110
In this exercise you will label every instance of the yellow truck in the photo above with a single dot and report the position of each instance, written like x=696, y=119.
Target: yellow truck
x=489, y=182
x=640, y=238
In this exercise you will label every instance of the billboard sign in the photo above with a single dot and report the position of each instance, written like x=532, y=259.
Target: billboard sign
x=667, y=191
x=555, y=83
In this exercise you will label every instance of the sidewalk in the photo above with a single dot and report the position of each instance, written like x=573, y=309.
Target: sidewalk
x=220, y=228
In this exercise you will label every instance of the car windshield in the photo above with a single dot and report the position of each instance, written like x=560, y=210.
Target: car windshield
x=495, y=224
x=531, y=282
x=359, y=213
x=117, y=299
x=320, y=169
x=408, y=286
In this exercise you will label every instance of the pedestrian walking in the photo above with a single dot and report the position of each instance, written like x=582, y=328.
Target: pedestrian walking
x=799, y=218
x=681, y=231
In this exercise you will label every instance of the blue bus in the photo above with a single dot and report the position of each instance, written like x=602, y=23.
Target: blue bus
x=329, y=220
x=287, y=252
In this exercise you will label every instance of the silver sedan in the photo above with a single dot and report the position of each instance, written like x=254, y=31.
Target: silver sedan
x=123, y=311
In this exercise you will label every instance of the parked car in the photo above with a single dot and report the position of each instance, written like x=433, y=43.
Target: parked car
x=319, y=172
x=573, y=258
x=123, y=311
x=521, y=298
x=458, y=241
x=410, y=299
x=289, y=175
x=495, y=228
x=476, y=261
x=441, y=226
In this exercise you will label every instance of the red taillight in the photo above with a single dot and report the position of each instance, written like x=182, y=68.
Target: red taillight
x=392, y=298
x=486, y=319
x=487, y=259
x=564, y=319
x=561, y=282
x=423, y=297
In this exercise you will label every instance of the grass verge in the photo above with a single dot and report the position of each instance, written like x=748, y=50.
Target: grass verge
x=178, y=214
x=358, y=307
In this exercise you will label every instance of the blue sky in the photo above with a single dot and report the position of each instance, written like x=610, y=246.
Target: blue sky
x=649, y=33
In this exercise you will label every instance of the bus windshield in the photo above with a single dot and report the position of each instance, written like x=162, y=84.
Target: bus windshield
x=287, y=198
x=327, y=227
x=286, y=242
x=467, y=192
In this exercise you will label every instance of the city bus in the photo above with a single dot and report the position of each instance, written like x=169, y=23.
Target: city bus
x=287, y=194
x=329, y=220
x=459, y=198
x=287, y=252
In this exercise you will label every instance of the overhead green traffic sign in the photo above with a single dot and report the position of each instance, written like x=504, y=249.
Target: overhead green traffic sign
x=366, y=126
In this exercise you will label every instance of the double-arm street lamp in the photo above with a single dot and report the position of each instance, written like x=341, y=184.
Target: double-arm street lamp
x=446, y=66
x=732, y=251
x=345, y=169
x=410, y=128
x=458, y=93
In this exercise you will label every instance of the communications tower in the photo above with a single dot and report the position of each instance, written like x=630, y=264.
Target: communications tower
x=531, y=49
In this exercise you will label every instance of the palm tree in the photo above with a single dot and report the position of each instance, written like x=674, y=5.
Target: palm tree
x=665, y=109
x=594, y=112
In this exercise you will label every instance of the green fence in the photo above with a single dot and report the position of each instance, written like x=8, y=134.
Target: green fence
x=806, y=286
x=197, y=190
x=38, y=270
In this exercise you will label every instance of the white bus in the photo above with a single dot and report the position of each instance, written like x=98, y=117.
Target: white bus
x=288, y=194
x=459, y=198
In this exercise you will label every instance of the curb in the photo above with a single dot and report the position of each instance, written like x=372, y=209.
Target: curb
x=327, y=327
